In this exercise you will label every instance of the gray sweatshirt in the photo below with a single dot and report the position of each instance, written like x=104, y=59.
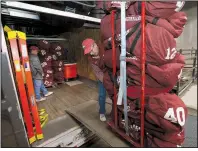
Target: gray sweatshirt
x=36, y=68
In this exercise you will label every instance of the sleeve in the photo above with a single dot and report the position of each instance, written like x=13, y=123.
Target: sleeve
x=33, y=70
x=98, y=72
x=36, y=66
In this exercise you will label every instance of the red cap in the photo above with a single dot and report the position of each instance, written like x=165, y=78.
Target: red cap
x=34, y=48
x=87, y=45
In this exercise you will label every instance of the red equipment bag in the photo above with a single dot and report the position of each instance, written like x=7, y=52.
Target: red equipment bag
x=161, y=9
x=48, y=57
x=174, y=24
x=105, y=25
x=108, y=58
x=161, y=47
x=56, y=47
x=155, y=142
x=48, y=78
x=59, y=76
x=178, y=21
x=46, y=65
x=57, y=64
x=44, y=45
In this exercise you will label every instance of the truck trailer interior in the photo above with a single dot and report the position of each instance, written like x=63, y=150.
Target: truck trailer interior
x=68, y=23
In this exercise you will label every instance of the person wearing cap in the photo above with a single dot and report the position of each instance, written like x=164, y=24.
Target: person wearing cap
x=37, y=74
x=94, y=56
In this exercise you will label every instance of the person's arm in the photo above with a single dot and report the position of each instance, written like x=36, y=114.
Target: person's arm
x=98, y=72
x=33, y=70
x=36, y=66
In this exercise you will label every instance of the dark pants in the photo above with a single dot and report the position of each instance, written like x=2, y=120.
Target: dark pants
x=102, y=97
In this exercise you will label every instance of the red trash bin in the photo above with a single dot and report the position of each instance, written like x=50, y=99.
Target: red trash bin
x=70, y=70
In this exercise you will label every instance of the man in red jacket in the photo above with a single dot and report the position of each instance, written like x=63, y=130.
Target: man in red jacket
x=92, y=49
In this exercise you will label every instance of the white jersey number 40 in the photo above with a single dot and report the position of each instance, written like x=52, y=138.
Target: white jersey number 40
x=170, y=115
x=171, y=53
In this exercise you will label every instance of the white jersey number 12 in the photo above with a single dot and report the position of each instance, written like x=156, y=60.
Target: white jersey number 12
x=171, y=53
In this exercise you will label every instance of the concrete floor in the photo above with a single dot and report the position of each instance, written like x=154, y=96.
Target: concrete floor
x=190, y=97
x=191, y=132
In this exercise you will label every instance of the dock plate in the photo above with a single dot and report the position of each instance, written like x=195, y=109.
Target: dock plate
x=87, y=114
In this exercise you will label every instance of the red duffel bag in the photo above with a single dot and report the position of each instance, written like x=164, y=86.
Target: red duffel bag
x=174, y=24
x=48, y=57
x=58, y=76
x=57, y=64
x=56, y=47
x=54, y=57
x=161, y=47
x=178, y=20
x=134, y=92
x=108, y=58
x=58, y=69
x=43, y=52
x=132, y=18
x=44, y=45
x=134, y=74
x=48, y=82
x=58, y=53
x=168, y=106
x=162, y=76
x=160, y=9
x=48, y=71
x=155, y=76
x=57, y=50
x=155, y=142
x=108, y=83
x=176, y=137
x=48, y=75
x=166, y=111
x=48, y=79
x=46, y=64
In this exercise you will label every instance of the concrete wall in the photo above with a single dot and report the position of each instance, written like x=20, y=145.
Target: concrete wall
x=188, y=39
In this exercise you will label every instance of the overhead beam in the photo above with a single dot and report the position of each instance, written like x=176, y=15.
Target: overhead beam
x=20, y=13
x=45, y=10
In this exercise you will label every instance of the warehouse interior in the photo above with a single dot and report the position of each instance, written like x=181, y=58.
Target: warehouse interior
x=82, y=87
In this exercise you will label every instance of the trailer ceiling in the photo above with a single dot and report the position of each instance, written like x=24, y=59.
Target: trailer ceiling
x=48, y=18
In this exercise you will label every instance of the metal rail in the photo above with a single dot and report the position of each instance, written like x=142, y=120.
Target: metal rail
x=49, y=39
x=143, y=58
x=190, y=72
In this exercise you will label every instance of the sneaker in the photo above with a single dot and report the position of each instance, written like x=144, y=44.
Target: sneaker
x=102, y=117
x=48, y=94
x=41, y=99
